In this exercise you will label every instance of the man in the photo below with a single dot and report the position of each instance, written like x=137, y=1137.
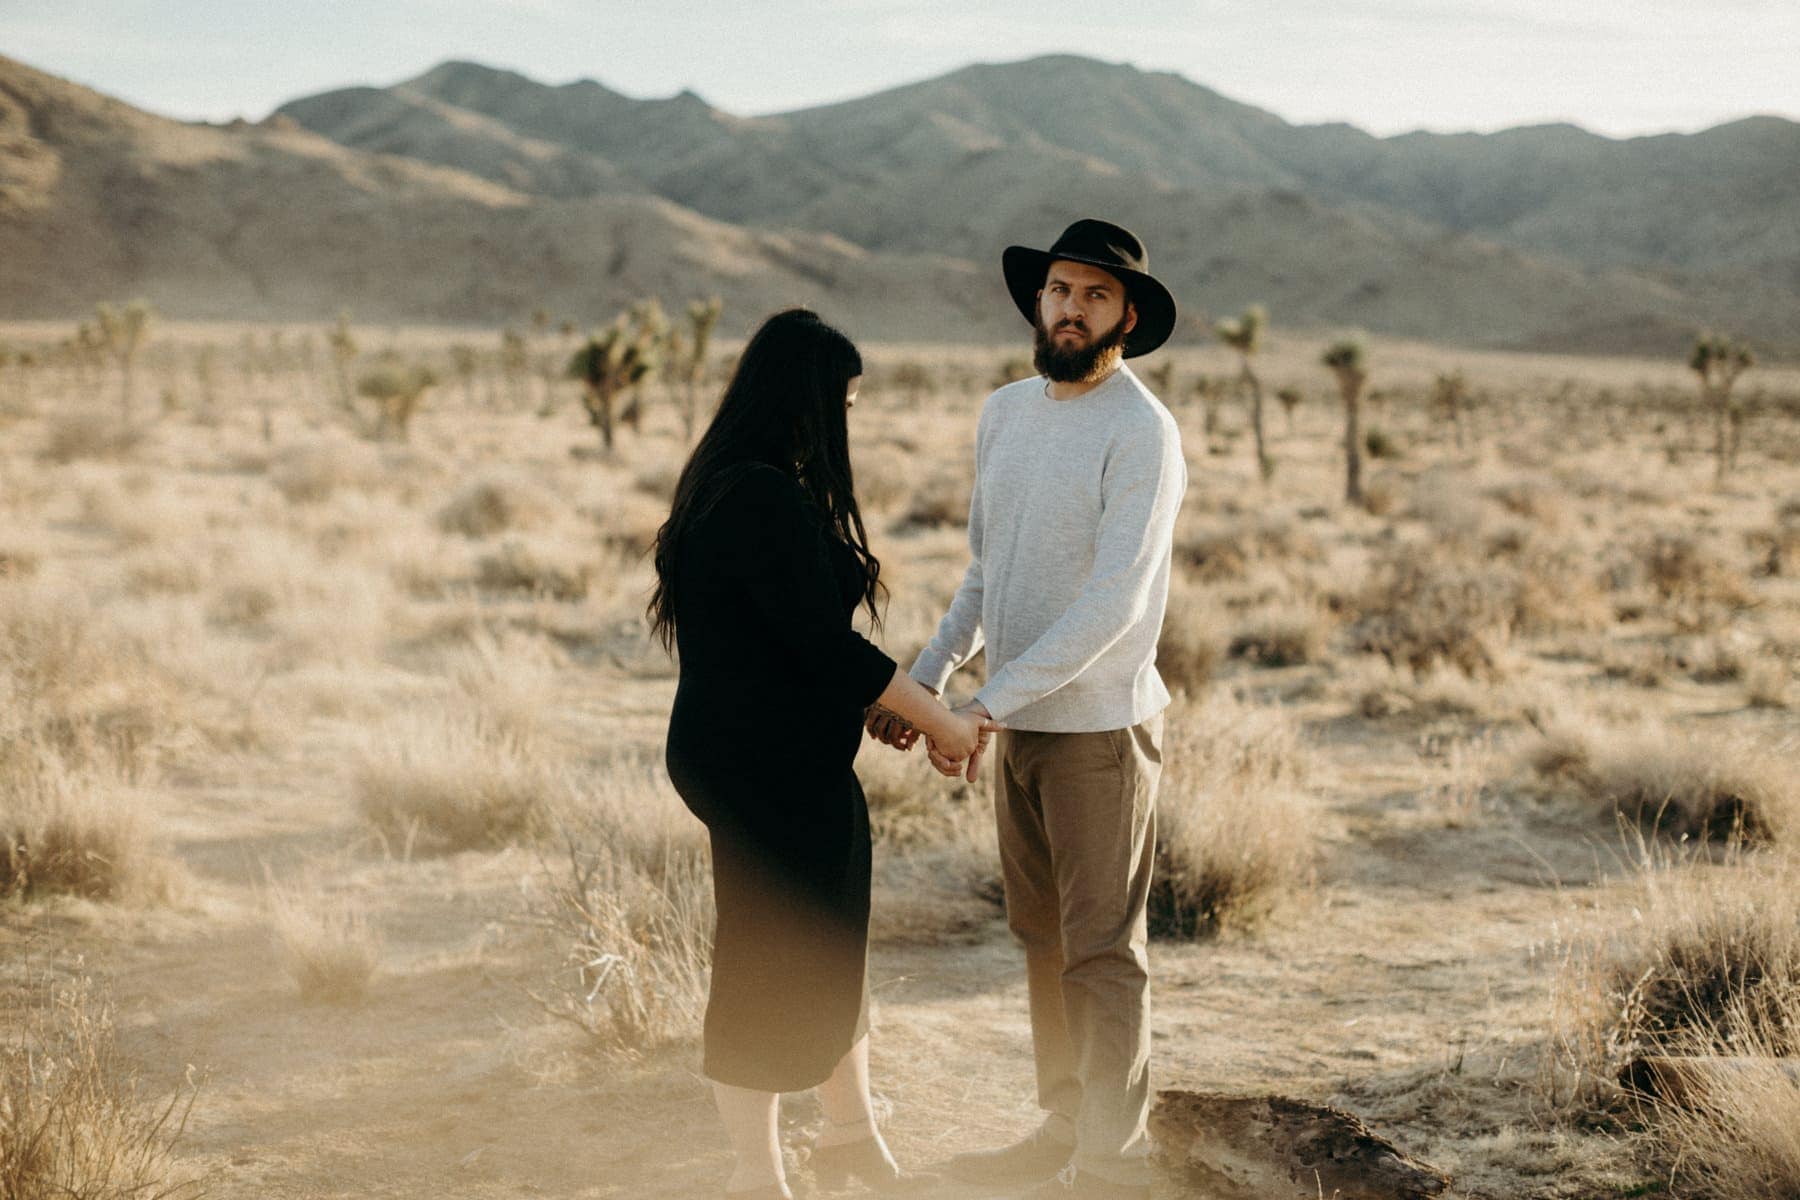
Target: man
x=1078, y=478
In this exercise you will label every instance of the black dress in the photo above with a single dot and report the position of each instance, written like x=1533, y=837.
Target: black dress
x=767, y=720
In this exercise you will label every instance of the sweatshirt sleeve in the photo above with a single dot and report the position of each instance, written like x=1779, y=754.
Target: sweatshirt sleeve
x=959, y=635
x=782, y=560
x=1141, y=488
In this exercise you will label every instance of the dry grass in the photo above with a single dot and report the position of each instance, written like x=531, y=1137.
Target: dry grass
x=450, y=780
x=496, y=502
x=1236, y=832
x=1683, y=784
x=73, y=1119
x=517, y=567
x=1738, y=1137
x=82, y=435
x=628, y=895
x=1708, y=963
x=1282, y=636
x=68, y=834
x=326, y=943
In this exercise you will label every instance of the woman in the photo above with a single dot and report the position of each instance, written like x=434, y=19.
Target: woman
x=760, y=567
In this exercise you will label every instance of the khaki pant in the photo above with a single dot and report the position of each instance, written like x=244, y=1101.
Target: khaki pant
x=1077, y=823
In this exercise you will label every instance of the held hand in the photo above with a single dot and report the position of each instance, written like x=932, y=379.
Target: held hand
x=890, y=728
x=962, y=754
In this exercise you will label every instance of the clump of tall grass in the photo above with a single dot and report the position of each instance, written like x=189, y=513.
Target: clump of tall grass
x=1192, y=642
x=1235, y=828
x=454, y=780
x=1708, y=961
x=74, y=1120
x=1680, y=783
x=516, y=567
x=1280, y=636
x=65, y=832
x=325, y=941
x=627, y=897
x=495, y=502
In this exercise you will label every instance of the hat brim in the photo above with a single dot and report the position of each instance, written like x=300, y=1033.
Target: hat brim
x=1025, y=269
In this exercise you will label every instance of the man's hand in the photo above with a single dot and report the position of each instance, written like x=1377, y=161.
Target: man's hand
x=985, y=726
x=890, y=728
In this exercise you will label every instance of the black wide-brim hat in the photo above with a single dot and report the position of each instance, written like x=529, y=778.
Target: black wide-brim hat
x=1114, y=250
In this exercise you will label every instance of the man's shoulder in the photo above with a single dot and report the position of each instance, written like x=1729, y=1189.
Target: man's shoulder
x=1139, y=407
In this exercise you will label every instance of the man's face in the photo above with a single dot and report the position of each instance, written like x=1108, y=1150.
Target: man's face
x=1083, y=316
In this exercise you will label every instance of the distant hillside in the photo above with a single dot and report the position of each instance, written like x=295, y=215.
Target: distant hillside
x=472, y=194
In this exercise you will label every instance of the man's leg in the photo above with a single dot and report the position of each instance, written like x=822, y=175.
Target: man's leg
x=1097, y=793
x=1033, y=913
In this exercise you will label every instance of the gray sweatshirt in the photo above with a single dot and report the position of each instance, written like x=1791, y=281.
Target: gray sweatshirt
x=1070, y=529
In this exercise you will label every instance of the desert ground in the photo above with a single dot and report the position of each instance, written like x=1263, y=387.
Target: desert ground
x=338, y=841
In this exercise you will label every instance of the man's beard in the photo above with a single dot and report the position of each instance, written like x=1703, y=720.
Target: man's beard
x=1079, y=364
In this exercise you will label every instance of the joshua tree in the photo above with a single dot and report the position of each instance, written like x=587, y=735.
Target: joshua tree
x=1245, y=336
x=652, y=328
x=1347, y=361
x=123, y=331
x=343, y=354
x=1210, y=391
x=396, y=391
x=688, y=357
x=1718, y=361
x=1449, y=396
x=515, y=362
x=1290, y=400
x=1162, y=378
x=463, y=360
x=614, y=360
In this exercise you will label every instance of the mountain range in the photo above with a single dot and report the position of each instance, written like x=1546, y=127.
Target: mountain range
x=473, y=195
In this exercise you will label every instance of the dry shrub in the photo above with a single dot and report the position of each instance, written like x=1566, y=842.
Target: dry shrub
x=1693, y=579
x=629, y=896
x=1235, y=831
x=1768, y=682
x=1709, y=950
x=326, y=944
x=1738, y=1136
x=449, y=780
x=1419, y=609
x=1284, y=636
x=1681, y=783
x=517, y=567
x=1382, y=495
x=74, y=1121
x=1210, y=554
x=68, y=834
x=309, y=473
x=495, y=502
x=78, y=687
x=79, y=435
x=658, y=479
x=1191, y=643
x=942, y=500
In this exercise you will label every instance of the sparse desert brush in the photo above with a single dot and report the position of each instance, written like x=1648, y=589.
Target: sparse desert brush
x=311, y=472
x=74, y=1119
x=1735, y=1135
x=447, y=780
x=941, y=500
x=325, y=941
x=496, y=502
x=81, y=435
x=518, y=567
x=1281, y=636
x=1192, y=641
x=1684, y=784
x=1418, y=609
x=67, y=834
x=1693, y=578
x=1708, y=951
x=1236, y=832
x=1211, y=553
x=627, y=891
x=509, y=681
x=1768, y=681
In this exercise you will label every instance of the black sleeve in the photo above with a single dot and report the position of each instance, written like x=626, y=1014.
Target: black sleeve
x=781, y=557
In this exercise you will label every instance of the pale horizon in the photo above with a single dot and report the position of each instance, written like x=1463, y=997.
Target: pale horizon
x=1618, y=68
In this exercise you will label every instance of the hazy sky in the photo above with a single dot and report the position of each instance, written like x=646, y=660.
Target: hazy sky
x=1614, y=66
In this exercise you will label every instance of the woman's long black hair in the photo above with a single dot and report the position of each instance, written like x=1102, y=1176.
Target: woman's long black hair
x=784, y=406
